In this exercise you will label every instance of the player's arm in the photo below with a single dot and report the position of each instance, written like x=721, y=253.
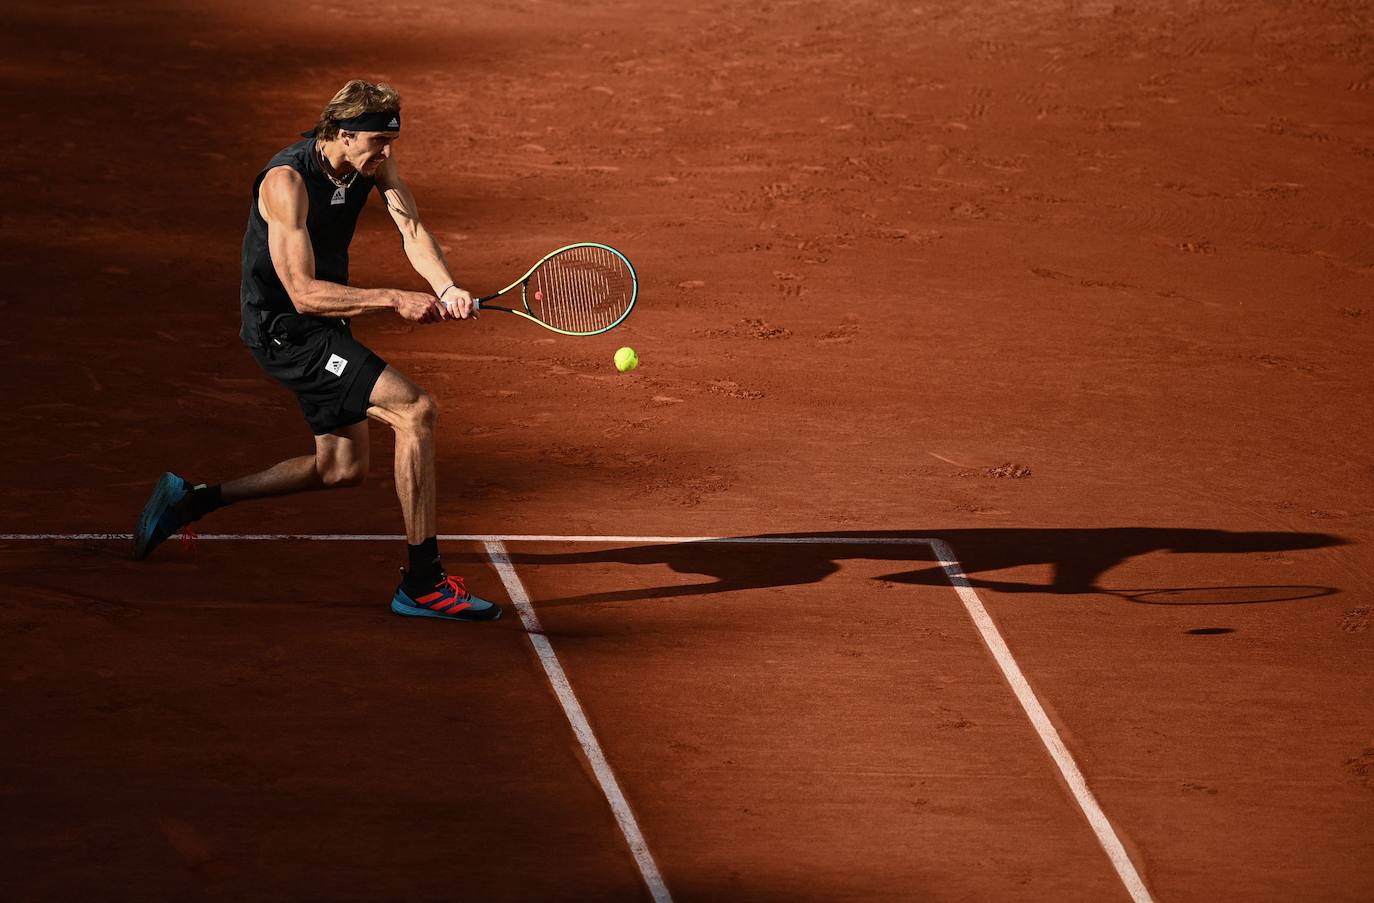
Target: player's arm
x=421, y=249
x=284, y=204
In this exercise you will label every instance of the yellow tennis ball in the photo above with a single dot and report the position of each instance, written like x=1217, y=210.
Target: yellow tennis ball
x=626, y=360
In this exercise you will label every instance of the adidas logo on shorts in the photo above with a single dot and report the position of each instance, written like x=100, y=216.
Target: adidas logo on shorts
x=336, y=365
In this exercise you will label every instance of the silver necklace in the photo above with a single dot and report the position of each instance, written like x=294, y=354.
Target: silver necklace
x=341, y=184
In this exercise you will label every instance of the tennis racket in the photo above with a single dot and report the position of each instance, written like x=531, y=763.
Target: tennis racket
x=581, y=289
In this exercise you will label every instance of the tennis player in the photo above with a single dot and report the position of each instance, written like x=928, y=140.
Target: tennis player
x=296, y=305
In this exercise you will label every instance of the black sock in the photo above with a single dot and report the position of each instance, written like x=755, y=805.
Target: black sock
x=200, y=501
x=426, y=568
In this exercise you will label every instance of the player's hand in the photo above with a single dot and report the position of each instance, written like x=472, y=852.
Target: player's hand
x=419, y=307
x=458, y=303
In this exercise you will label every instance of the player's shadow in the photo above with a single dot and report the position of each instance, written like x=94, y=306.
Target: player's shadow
x=1078, y=558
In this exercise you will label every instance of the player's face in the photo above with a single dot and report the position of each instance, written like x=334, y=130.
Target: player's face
x=369, y=150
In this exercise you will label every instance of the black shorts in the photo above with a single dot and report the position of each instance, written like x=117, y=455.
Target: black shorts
x=330, y=372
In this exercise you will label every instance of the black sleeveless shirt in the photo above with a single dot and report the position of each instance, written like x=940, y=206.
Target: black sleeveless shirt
x=332, y=218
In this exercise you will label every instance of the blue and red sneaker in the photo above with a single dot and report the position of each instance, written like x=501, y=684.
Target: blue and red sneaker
x=449, y=599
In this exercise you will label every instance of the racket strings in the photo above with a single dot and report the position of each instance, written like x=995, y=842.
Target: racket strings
x=581, y=290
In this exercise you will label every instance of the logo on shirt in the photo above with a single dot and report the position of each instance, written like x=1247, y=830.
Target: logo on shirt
x=336, y=365
x=338, y=197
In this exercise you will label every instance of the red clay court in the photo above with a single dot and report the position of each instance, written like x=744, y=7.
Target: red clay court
x=989, y=517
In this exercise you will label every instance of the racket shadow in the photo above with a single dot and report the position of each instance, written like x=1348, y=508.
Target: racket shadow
x=1224, y=595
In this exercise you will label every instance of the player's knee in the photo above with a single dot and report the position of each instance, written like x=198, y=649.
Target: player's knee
x=429, y=409
x=422, y=413
x=343, y=474
x=354, y=475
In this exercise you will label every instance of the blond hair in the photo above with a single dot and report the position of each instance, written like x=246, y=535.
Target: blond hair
x=354, y=99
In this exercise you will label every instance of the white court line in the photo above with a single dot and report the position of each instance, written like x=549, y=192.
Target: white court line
x=648, y=870
x=992, y=637
x=987, y=629
x=499, y=537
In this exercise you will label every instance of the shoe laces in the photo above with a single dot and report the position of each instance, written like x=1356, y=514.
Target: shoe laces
x=456, y=585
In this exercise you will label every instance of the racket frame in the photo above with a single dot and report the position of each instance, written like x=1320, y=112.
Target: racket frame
x=523, y=282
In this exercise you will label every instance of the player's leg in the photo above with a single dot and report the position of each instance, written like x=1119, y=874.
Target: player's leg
x=332, y=377
x=426, y=590
x=340, y=460
x=412, y=414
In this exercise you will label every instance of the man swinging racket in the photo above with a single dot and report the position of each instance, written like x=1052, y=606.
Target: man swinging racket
x=296, y=304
